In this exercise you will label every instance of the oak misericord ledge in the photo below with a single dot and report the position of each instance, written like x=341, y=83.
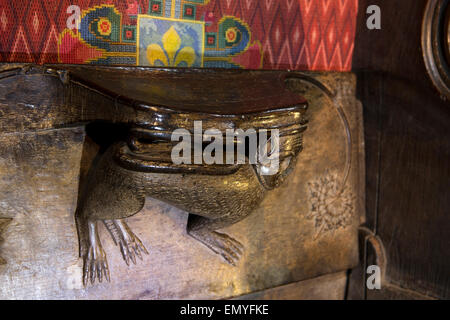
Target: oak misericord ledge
x=137, y=109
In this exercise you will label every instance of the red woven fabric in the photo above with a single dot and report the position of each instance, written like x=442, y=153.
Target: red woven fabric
x=280, y=34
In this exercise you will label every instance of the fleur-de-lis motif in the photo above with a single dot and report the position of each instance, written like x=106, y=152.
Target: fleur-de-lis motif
x=171, y=55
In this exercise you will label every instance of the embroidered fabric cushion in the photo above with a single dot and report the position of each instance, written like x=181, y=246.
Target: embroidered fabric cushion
x=250, y=34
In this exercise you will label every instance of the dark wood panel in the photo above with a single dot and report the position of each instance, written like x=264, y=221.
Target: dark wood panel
x=407, y=132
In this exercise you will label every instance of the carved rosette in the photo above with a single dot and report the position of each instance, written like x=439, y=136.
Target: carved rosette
x=332, y=206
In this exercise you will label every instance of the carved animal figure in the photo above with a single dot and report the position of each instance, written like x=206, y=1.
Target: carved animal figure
x=213, y=201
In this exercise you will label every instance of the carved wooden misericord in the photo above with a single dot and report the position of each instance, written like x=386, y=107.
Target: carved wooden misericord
x=146, y=105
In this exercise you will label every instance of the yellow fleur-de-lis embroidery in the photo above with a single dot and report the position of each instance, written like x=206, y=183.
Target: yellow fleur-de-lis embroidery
x=171, y=55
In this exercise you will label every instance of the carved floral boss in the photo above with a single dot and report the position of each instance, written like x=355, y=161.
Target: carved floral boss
x=153, y=103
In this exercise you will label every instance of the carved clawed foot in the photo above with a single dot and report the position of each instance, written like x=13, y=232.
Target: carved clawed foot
x=230, y=249
x=130, y=245
x=95, y=263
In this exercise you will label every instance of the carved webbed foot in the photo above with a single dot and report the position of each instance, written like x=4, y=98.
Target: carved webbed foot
x=230, y=249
